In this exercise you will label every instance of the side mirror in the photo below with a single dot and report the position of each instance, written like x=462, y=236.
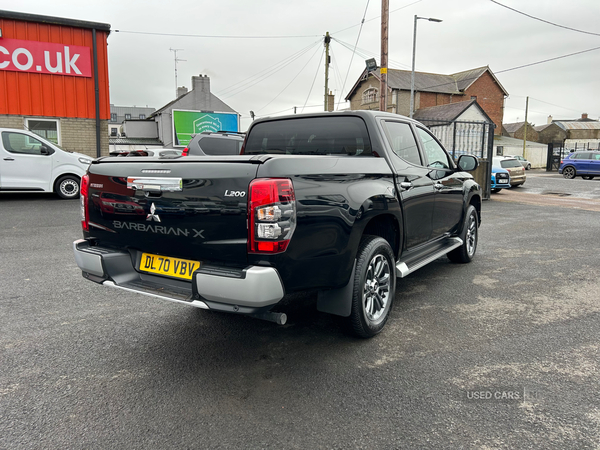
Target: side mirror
x=467, y=163
x=45, y=150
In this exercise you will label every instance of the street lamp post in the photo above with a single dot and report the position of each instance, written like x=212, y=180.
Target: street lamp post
x=412, y=74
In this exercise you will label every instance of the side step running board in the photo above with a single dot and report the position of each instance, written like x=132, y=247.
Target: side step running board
x=416, y=260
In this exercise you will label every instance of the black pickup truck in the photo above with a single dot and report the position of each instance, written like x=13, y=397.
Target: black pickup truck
x=338, y=203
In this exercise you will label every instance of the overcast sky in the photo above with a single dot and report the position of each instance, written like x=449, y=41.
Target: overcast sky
x=271, y=76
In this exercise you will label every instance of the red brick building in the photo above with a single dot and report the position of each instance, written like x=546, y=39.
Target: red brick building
x=432, y=90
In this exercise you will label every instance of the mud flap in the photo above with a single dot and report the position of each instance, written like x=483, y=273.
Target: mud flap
x=337, y=301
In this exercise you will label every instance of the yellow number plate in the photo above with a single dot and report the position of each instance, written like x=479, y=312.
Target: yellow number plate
x=165, y=265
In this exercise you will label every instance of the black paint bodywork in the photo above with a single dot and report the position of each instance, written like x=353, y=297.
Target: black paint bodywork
x=338, y=199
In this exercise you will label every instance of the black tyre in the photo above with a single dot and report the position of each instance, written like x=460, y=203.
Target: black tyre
x=67, y=187
x=569, y=172
x=528, y=167
x=469, y=236
x=495, y=191
x=374, y=286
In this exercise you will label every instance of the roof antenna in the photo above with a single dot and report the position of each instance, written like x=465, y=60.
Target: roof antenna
x=175, y=50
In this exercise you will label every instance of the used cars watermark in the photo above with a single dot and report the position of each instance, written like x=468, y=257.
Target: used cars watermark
x=503, y=394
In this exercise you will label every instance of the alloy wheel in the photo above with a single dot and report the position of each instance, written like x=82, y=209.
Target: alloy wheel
x=376, y=290
x=471, y=237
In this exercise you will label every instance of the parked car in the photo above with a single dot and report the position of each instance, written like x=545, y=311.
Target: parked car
x=500, y=179
x=217, y=144
x=159, y=153
x=585, y=164
x=31, y=163
x=526, y=164
x=514, y=168
x=341, y=204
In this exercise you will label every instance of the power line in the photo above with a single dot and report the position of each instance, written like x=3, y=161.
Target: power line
x=336, y=70
x=355, y=45
x=543, y=20
x=552, y=104
x=453, y=82
x=367, y=54
x=314, y=79
x=287, y=109
x=282, y=63
x=263, y=75
x=292, y=80
x=550, y=59
x=378, y=17
x=152, y=33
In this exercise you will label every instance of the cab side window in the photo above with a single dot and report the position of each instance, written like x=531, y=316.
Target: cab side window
x=436, y=155
x=21, y=143
x=403, y=142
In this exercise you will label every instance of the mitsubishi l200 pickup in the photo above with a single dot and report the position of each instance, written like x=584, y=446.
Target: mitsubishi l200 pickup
x=344, y=203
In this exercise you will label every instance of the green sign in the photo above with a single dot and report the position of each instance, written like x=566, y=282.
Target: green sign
x=188, y=123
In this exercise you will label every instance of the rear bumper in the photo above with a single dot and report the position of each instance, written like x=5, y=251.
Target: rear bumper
x=245, y=291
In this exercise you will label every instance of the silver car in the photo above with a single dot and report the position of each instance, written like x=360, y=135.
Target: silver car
x=526, y=164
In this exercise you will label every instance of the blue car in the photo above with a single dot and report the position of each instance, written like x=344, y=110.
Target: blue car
x=585, y=164
x=500, y=179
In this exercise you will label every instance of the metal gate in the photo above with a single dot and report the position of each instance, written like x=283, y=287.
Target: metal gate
x=468, y=138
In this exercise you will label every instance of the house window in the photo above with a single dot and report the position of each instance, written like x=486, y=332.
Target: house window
x=113, y=132
x=369, y=95
x=113, y=117
x=48, y=129
x=127, y=116
x=142, y=116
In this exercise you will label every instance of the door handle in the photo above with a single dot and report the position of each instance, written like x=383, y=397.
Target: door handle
x=406, y=185
x=9, y=159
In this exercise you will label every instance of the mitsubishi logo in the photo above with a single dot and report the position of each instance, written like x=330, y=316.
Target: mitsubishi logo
x=153, y=216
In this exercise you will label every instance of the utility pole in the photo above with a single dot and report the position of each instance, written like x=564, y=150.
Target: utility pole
x=326, y=41
x=385, y=14
x=175, y=50
x=525, y=132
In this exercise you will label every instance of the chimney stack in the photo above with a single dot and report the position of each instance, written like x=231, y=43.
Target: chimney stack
x=201, y=89
x=584, y=116
x=182, y=90
x=549, y=119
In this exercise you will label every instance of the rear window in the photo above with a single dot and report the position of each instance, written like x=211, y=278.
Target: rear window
x=220, y=146
x=506, y=163
x=310, y=136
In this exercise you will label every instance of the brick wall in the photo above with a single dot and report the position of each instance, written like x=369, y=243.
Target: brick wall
x=583, y=134
x=79, y=135
x=489, y=96
x=488, y=93
x=553, y=133
x=532, y=135
x=12, y=122
x=76, y=135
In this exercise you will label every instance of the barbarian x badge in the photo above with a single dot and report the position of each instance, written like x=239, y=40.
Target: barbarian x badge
x=153, y=216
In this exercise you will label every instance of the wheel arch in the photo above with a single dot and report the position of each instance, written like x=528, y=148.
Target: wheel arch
x=387, y=227
x=475, y=200
x=58, y=177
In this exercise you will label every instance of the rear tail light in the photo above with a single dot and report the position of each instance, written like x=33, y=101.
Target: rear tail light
x=186, y=152
x=84, y=194
x=271, y=215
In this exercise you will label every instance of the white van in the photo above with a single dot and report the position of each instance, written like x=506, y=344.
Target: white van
x=28, y=162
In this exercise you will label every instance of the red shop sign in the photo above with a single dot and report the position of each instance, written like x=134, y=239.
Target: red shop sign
x=44, y=57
